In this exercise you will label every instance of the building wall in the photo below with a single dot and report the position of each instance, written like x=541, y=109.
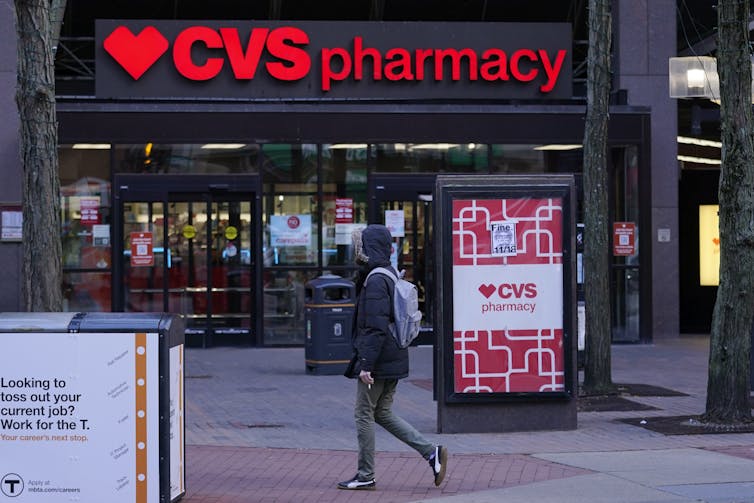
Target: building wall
x=10, y=189
x=644, y=38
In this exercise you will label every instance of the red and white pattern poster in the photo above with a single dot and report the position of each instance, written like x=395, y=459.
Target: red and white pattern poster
x=508, y=295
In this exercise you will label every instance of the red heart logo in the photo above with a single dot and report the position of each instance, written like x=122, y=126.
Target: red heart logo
x=487, y=290
x=136, y=53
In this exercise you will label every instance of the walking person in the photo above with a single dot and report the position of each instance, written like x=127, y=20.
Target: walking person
x=379, y=362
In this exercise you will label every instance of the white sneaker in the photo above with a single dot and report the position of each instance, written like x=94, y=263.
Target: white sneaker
x=357, y=483
x=438, y=463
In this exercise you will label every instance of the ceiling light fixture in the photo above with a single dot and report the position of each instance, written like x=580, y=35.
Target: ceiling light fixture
x=434, y=146
x=699, y=160
x=559, y=146
x=91, y=146
x=223, y=146
x=687, y=140
x=338, y=146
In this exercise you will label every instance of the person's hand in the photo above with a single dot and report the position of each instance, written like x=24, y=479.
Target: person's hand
x=366, y=377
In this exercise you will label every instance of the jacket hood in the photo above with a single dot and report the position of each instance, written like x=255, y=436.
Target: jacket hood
x=377, y=243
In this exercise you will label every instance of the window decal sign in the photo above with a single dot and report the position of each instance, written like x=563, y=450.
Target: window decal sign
x=142, y=251
x=290, y=230
x=508, y=295
x=11, y=222
x=343, y=210
x=395, y=221
x=325, y=59
x=89, y=209
x=624, y=239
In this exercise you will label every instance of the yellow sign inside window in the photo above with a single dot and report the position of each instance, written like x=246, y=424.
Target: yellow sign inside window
x=189, y=231
x=709, y=245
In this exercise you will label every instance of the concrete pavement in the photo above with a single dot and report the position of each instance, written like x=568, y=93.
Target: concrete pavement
x=259, y=429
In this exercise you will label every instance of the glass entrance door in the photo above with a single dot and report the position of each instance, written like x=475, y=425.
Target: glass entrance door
x=411, y=196
x=190, y=252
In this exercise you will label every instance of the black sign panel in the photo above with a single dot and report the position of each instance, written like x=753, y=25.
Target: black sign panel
x=332, y=60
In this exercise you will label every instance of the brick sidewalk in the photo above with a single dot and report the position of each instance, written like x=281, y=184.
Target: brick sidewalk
x=260, y=475
x=259, y=429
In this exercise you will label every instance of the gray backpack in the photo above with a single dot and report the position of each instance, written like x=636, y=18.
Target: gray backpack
x=406, y=315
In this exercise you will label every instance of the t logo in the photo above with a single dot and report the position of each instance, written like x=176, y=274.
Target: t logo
x=12, y=485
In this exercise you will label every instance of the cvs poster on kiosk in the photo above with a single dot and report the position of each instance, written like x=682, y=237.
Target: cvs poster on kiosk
x=79, y=421
x=508, y=295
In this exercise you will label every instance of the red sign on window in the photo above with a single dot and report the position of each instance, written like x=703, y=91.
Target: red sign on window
x=624, y=238
x=142, y=254
x=343, y=211
x=89, y=208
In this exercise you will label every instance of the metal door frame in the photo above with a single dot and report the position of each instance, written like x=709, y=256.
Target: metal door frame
x=199, y=187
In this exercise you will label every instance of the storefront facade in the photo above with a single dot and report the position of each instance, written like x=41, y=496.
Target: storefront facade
x=219, y=178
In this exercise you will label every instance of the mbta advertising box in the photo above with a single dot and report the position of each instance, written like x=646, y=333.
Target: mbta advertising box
x=91, y=407
x=506, y=303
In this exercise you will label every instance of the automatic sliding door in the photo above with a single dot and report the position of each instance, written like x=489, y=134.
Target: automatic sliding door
x=191, y=253
x=211, y=275
x=188, y=273
x=229, y=252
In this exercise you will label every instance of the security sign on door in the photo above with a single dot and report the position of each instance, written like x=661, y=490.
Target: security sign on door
x=142, y=254
x=624, y=239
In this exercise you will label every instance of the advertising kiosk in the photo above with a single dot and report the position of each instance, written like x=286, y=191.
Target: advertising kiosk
x=91, y=407
x=505, y=303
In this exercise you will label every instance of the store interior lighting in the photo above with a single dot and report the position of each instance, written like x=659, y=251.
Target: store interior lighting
x=345, y=146
x=714, y=160
x=559, y=146
x=223, y=146
x=434, y=146
x=687, y=140
x=91, y=146
x=699, y=160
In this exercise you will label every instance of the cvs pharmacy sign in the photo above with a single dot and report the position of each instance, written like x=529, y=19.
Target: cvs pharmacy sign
x=252, y=60
x=137, y=53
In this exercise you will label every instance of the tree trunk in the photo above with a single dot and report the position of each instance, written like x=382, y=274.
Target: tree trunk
x=597, y=364
x=730, y=340
x=57, y=13
x=35, y=97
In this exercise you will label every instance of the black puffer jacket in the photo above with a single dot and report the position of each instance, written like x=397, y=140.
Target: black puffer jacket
x=375, y=350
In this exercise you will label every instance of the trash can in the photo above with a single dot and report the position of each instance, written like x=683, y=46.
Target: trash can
x=329, y=306
x=104, y=394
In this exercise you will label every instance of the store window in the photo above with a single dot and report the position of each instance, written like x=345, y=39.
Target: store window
x=290, y=211
x=517, y=159
x=344, y=204
x=290, y=242
x=207, y=158
x=431, y=158
x=85, y=218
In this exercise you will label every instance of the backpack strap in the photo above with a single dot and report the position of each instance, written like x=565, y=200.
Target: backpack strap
x=385, y=272
x=382, y=270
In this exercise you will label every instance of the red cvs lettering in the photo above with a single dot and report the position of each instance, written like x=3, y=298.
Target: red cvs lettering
x=291, y=61
x=517, y=290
